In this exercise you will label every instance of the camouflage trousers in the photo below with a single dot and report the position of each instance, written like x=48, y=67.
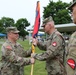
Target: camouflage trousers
x=49, y=73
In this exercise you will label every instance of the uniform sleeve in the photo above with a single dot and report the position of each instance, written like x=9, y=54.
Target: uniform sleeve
x=42, y=45
x=28, y=52
x=52, y=51
x=72, y=45
x=10, y=56
x=25, y=53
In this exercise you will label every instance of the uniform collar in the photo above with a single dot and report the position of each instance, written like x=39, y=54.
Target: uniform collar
x=8, y=41
x=53, y=33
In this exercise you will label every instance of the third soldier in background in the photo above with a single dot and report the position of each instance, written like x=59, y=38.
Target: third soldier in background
x=53, y=48
x=71, y=58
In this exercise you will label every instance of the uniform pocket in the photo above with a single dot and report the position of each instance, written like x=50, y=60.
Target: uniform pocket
x=6, y=70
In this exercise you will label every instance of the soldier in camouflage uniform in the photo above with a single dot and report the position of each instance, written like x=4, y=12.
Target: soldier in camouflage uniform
x=53, y=49
x=71, y=58
x=13, y=54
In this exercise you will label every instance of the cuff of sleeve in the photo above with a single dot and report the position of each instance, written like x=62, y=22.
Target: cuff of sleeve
x=38, y=43
x=27, y=61
x=35, y=56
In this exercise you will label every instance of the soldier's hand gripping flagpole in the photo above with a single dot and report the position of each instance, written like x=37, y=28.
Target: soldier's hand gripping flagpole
x=36, y=28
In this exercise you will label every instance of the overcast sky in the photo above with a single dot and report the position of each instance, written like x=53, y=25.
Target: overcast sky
x=22, y=8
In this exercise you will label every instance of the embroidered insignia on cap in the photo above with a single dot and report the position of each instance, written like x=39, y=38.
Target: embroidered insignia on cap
x=54, y=44
x=9, y=47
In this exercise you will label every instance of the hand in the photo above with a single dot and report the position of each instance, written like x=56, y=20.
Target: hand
x=32, y=60
x=34, y=41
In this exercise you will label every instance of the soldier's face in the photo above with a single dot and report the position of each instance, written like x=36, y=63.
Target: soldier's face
x=74, y=13
x=14, y=36
x=47, y=27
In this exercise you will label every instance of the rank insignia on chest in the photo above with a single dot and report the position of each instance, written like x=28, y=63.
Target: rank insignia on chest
x=54, y=44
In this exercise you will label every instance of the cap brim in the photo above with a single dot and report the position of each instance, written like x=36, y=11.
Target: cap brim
x=70, y=7
x=43, y=25
x=16, y=31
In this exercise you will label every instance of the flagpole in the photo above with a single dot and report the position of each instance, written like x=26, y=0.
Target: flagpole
x=32, y=69
x=33, y=51
x=35, y=30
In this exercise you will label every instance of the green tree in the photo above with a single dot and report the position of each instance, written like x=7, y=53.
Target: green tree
x=1, y=27
x=21, y=24
x=59, y=12
x=5, y=22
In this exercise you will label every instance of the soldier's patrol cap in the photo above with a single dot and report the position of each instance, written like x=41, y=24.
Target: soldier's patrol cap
x=48, y=19
x=73, y=3
x=12, y=29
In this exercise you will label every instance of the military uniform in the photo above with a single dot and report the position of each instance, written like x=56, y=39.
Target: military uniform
x=54, y=51
x=71, y=57
x=54, y=47
x=53, y=54
x=14, y=59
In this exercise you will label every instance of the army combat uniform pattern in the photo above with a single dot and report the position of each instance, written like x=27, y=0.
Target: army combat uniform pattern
x=14, y=59
x=71, y=58
x=53, y=54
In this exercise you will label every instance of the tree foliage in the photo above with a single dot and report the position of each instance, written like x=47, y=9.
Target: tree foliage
x=21, y=24
x=59, y=12
x=5, y=22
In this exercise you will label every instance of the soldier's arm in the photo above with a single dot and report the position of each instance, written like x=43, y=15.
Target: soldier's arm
x=25, y=53
x=10, y=56
x=72, y=44
x=52, y=50
x=42, y=45
x=28, y=52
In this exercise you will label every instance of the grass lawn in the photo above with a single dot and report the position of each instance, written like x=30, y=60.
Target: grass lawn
x=39, y=66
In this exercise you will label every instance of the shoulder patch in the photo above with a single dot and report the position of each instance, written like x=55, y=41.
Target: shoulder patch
x=9, y=47
x=54, y=44
x=71, y=63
